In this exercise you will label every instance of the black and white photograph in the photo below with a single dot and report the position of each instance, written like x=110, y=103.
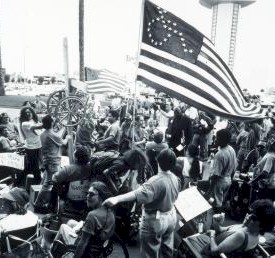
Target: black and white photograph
x=137, y=128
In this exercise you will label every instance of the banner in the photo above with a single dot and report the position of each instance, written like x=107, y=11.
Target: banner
x=13, y=160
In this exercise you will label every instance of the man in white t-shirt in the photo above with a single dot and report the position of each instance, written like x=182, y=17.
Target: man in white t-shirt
x=163, y=116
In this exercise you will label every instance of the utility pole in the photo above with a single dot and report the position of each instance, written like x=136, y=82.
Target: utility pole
x=81, y=41
x=2, y=77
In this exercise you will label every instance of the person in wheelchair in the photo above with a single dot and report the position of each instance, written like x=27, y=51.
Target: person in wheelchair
x=14, y=214
x=6, y=145
x=237, y=240
x=86, y=239
x=71, y=184
x=190, y=166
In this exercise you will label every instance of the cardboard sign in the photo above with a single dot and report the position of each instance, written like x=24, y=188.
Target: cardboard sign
x=191, y=203
x=13, y=160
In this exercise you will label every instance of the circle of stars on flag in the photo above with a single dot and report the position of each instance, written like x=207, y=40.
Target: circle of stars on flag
x=170, y=29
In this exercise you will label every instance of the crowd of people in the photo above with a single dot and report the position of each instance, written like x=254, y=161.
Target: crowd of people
x=144, y=154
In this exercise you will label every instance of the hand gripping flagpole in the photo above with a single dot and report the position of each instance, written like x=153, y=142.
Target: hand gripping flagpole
x=137, y=62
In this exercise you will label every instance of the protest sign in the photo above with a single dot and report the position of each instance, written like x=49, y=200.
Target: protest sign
x=13, y=160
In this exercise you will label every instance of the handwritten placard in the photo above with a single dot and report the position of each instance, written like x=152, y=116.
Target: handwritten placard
x=13, y=160
x=191, y=203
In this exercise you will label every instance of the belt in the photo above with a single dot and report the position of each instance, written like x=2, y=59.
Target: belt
x=154, y=212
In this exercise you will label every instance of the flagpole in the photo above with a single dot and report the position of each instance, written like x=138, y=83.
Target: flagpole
x=137, y=62
x=67, y=90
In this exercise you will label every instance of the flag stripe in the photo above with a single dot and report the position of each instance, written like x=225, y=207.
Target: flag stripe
x=185, y=69
x=222, y=70
x=208, y=44
x=155, y=68
x=106, y=81
x=103, y=81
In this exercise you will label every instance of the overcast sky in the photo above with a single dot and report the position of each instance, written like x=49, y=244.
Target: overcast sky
x=32, y=31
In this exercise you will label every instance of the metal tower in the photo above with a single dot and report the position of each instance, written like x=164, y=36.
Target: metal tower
x=225, y=18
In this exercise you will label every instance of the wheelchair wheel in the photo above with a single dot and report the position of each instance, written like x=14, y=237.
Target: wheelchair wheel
x=117, y=248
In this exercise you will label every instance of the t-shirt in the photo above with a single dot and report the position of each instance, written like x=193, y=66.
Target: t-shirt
x=242, y=139
x=224, y=162
x=51, y=143
x=113, y=130
x=163, y=120
x=78, y=190
x=100, y=224
x=84, y=134
x=31, y=138
x=159, y=192
x=72, y=173
x=267, y=163
x=157, y=147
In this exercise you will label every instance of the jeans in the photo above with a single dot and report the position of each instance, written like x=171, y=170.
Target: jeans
x=44, y=194
x=33, y=157
x=220, y=190
x=200, y=140
x=157, y=234
x=50, y=169
x=241, y=154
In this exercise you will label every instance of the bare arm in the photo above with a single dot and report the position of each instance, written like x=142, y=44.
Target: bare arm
x=36, y=126
x=228, y=245
x=128, y=197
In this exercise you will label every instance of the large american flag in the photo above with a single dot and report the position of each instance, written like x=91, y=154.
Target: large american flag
x=179, y=60
x=104, y=81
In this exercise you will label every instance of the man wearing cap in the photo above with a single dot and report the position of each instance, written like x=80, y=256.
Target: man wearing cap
x=17, y=216
x=88, y=237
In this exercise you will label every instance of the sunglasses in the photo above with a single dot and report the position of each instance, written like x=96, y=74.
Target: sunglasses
x=91, y=194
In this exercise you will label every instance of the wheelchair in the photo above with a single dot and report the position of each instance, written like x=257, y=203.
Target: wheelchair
x=25, y=242
x=188, y=249
x=50, y=224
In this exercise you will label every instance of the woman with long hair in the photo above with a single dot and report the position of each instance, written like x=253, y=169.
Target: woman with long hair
x=28, y=123
x=191, y=166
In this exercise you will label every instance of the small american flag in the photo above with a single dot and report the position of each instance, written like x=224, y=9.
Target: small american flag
x=177, y=59
x=102, y=81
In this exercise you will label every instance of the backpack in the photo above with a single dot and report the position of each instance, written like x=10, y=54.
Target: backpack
x=102, y=160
